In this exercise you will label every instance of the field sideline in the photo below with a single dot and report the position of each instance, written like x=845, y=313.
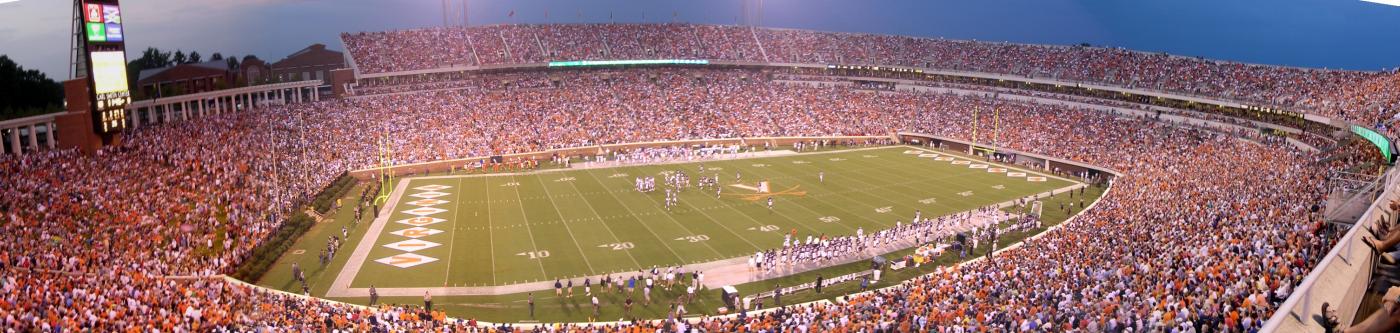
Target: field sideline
x=493, y=230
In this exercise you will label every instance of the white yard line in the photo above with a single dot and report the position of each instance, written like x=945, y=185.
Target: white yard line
x=527, y=228
x=578, y=245
x=490, y=233
x=600, y=221
x=452, y=241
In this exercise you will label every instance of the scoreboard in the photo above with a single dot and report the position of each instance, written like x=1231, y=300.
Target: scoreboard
x=105, y=47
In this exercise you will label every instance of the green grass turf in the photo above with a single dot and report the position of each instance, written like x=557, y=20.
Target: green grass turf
x=513, y=308
x=494, y=222
x=565, y=217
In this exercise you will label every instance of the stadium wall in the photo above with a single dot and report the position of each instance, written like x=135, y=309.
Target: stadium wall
x=1055, y=164
x=593, y=150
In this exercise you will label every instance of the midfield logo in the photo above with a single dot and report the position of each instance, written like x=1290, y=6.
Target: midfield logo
x=759, y=194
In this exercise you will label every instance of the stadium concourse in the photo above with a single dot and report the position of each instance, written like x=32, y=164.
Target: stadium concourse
x=1206, y=231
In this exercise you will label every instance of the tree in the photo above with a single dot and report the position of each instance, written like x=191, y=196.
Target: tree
x=194, y=57
x=27, y=92
x=217, y=56
x=150, y=58
x=153, y=58
x=180, y=57
x=233, y=63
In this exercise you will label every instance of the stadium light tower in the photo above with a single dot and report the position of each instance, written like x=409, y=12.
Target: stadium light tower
x=77, y=55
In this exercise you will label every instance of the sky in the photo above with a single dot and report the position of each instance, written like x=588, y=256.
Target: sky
x=1349, y=34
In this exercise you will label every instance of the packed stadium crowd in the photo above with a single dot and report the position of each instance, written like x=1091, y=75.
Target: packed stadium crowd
x=1186, y=238
x=1323, y=91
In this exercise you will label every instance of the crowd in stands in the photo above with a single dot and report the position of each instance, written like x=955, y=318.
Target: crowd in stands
x=1364, y=97
x=1203, y=229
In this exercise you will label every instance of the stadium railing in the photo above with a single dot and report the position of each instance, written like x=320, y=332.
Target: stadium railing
x=1341, y=278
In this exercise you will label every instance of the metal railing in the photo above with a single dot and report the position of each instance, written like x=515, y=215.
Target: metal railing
x=1340, y=278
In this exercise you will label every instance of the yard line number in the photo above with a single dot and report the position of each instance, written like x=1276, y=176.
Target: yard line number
x=618, y=246
x=535, y=254
x=765, y=228
x=695, y=238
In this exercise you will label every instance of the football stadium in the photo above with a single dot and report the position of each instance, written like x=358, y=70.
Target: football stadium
x=469, y=169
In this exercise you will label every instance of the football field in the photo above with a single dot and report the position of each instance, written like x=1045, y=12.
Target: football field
x=508, y=229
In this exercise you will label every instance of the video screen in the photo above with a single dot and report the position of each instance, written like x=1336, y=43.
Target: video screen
x=103, y=23
x=109, y=72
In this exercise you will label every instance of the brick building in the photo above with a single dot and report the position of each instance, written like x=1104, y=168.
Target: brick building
x=185, y=79
x=314, y=62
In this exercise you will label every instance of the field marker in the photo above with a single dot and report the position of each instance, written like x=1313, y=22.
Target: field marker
x=428, y=195
x=427, y=202
x=423, y=211
x=695, y=238
x=406, y=260
x=416, y=232
x=433, y=187
x=411, y=245
x=420, y=221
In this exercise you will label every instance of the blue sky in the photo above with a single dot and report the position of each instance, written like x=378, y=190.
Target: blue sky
x=1348, y=34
